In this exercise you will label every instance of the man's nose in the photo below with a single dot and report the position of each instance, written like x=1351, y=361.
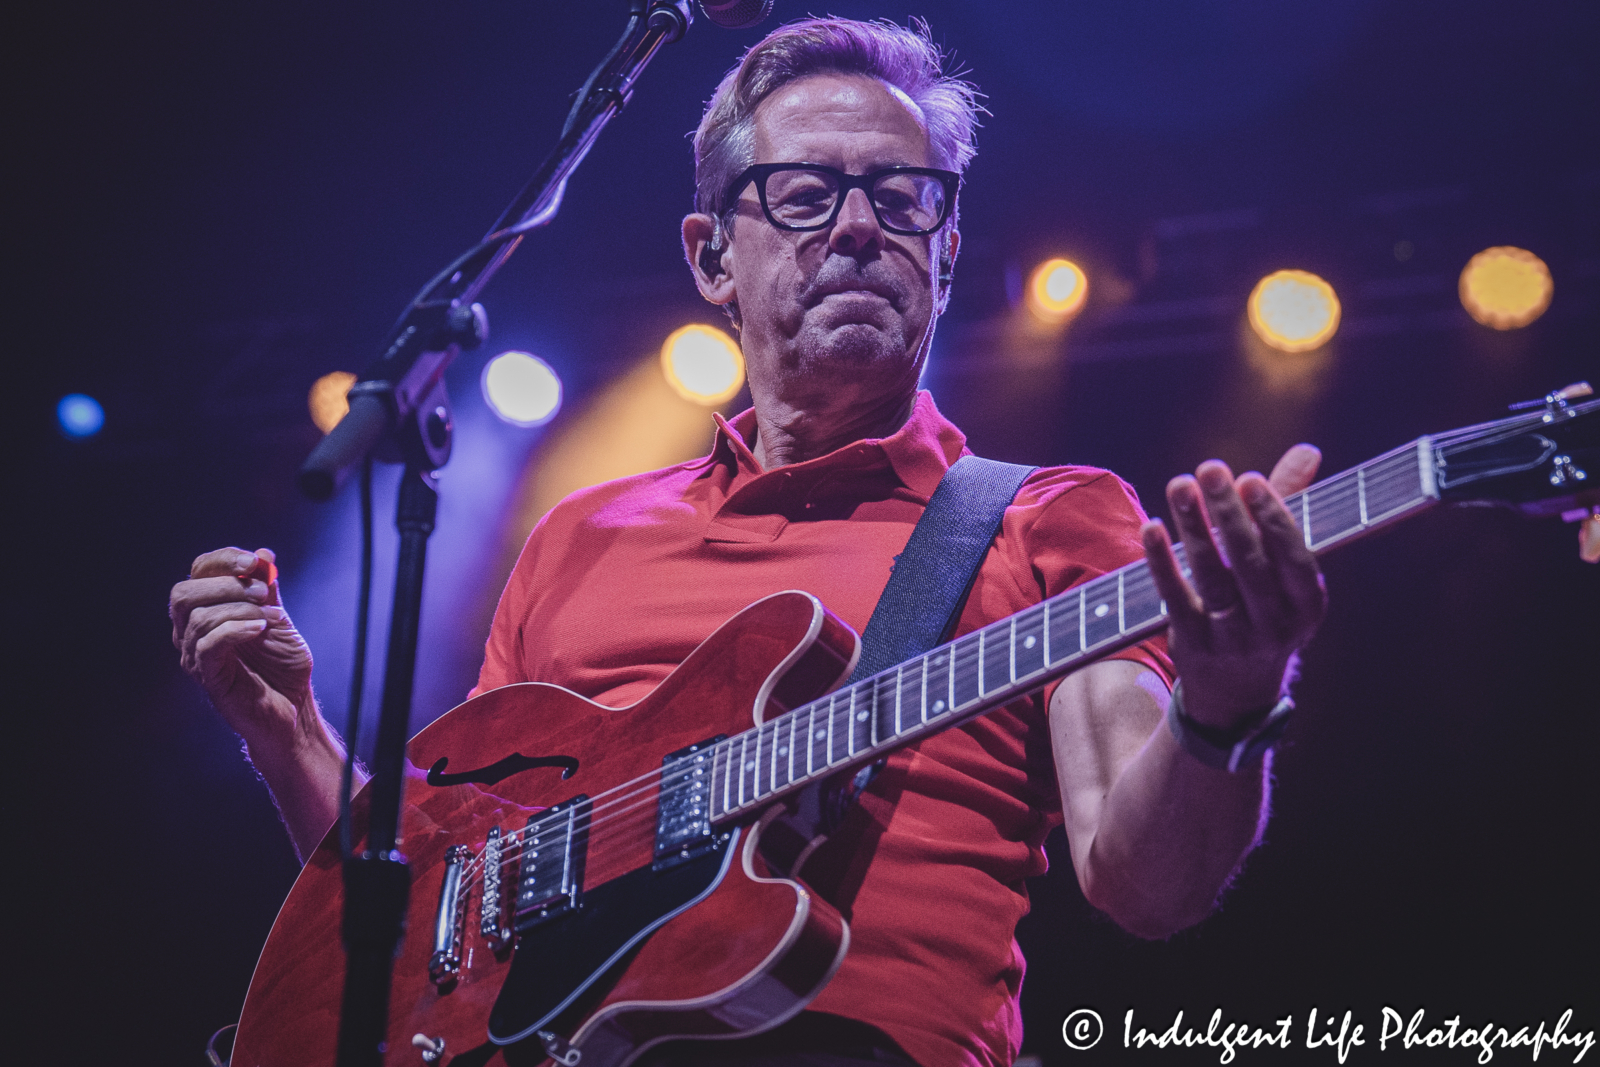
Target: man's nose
x=856, y=230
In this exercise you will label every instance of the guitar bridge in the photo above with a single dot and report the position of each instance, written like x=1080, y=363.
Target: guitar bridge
x=683, y=807
x=550, y=876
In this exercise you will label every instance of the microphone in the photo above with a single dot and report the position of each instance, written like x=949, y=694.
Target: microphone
x=736, y=14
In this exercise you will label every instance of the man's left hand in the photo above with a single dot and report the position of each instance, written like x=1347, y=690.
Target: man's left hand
x=1255, y=593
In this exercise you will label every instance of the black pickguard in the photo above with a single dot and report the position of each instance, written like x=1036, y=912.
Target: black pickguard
x=557, y=962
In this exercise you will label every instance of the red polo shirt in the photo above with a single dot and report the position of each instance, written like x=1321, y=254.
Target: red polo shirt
x=929, y=867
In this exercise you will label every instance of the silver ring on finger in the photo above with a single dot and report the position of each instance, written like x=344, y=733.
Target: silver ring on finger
x=1224, y=614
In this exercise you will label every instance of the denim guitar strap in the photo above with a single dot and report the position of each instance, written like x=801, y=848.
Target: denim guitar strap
x=918, y=610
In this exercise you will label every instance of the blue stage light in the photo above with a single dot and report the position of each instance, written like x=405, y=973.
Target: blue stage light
x=79, y=415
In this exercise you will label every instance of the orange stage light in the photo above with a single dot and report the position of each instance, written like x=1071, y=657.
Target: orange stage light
x=1057, y=290
x=703, y=364
x=329, y=399
x=1505, y=288
x=1293, y=311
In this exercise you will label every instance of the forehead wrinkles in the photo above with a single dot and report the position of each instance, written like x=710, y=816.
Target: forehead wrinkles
x=826, y=103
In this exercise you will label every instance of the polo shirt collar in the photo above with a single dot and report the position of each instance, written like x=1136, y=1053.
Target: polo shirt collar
x=920, y=452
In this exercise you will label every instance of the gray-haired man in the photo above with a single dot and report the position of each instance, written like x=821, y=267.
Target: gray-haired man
x=826, y=174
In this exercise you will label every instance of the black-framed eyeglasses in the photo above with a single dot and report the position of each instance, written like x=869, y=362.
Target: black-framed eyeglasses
x=808, y=196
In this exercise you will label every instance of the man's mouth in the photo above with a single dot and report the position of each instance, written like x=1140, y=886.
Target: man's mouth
x=855, y=293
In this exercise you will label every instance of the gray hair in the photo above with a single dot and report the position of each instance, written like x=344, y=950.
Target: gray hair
x=904, y=58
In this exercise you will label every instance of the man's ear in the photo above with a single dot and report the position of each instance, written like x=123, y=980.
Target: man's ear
x=944, y=267
x=710, y=255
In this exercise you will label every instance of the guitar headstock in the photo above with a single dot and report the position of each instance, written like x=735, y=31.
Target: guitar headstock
x=1543, y=462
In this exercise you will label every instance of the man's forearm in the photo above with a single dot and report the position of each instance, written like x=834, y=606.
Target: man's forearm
x=303, y=771
x=1155, y=833
x=1172, y=833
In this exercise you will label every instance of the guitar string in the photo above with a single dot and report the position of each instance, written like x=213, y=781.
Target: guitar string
x=646, y=801
x=607, y=824
x=644, y=781
x=1386, y=472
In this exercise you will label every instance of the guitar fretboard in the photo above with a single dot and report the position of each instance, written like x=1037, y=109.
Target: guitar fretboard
x=1008, y=659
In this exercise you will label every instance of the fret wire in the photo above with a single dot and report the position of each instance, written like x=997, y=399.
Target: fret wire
x=883, y=717
x=848, y=723
x=1011, y=643
x=779, y=753
x=716, y=754
x=1083, y=617
x=981, y=658
x=1044, y=633
x=711, y=786
x=833, y=731
x=899, y=699
x=1361, y=493
x=755, y=768
x=763, y=762
x=793, y=723
x=1122, y=618
x=894, y=722
x=794, y=728
x=949, y=693
x=1305, y=517
x=744, y=744
x=850, y=738
x=874, y=693
x=772, y=760
x=784, y=765
x=810, y=741
x=922, y=711
x=867, y=715
x=965, y=664
x=752, y=761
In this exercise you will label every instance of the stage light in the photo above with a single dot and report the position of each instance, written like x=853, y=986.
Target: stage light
x=1057, y=290
x=521, y=389
x=703, y=364
x=1293, y=311
x=329, y=399
x=1505, y=288
x=79, y=415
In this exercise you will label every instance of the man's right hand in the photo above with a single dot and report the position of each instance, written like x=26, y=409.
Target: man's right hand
x=236, y=640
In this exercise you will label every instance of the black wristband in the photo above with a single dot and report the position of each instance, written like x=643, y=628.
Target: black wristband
x=1226, y=750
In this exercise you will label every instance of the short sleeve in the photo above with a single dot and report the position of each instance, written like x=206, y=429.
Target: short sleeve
x=1075, y=524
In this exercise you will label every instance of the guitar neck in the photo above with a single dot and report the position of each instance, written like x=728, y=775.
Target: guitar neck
x=987, y=668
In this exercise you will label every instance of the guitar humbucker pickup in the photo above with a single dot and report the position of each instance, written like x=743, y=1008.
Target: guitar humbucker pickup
x=683, y=813
x=550, y=875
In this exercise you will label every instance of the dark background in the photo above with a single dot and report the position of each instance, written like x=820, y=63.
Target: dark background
x=214, y=204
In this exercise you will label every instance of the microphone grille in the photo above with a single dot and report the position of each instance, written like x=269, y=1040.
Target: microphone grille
x=736, y=14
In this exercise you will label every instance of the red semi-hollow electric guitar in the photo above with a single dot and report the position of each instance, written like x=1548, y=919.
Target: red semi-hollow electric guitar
x=590, y=881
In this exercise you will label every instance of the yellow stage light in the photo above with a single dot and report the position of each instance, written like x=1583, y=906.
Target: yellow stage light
x=329, y=399
x=703, y=364
x=1057, y=290
x=1505, y=288
x=1293, y=311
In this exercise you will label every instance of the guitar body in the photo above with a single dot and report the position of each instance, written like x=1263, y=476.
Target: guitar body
x=715, y=947
x=682, y=929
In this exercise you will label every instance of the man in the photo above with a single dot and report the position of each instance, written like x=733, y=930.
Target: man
x=835, y=273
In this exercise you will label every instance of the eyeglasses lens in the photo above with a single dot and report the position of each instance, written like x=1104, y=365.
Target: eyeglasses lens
x=806, y=198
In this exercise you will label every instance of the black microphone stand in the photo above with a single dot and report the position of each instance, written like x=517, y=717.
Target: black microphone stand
x=399, y=413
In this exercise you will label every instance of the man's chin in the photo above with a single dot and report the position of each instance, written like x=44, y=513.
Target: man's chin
x=856, y=343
